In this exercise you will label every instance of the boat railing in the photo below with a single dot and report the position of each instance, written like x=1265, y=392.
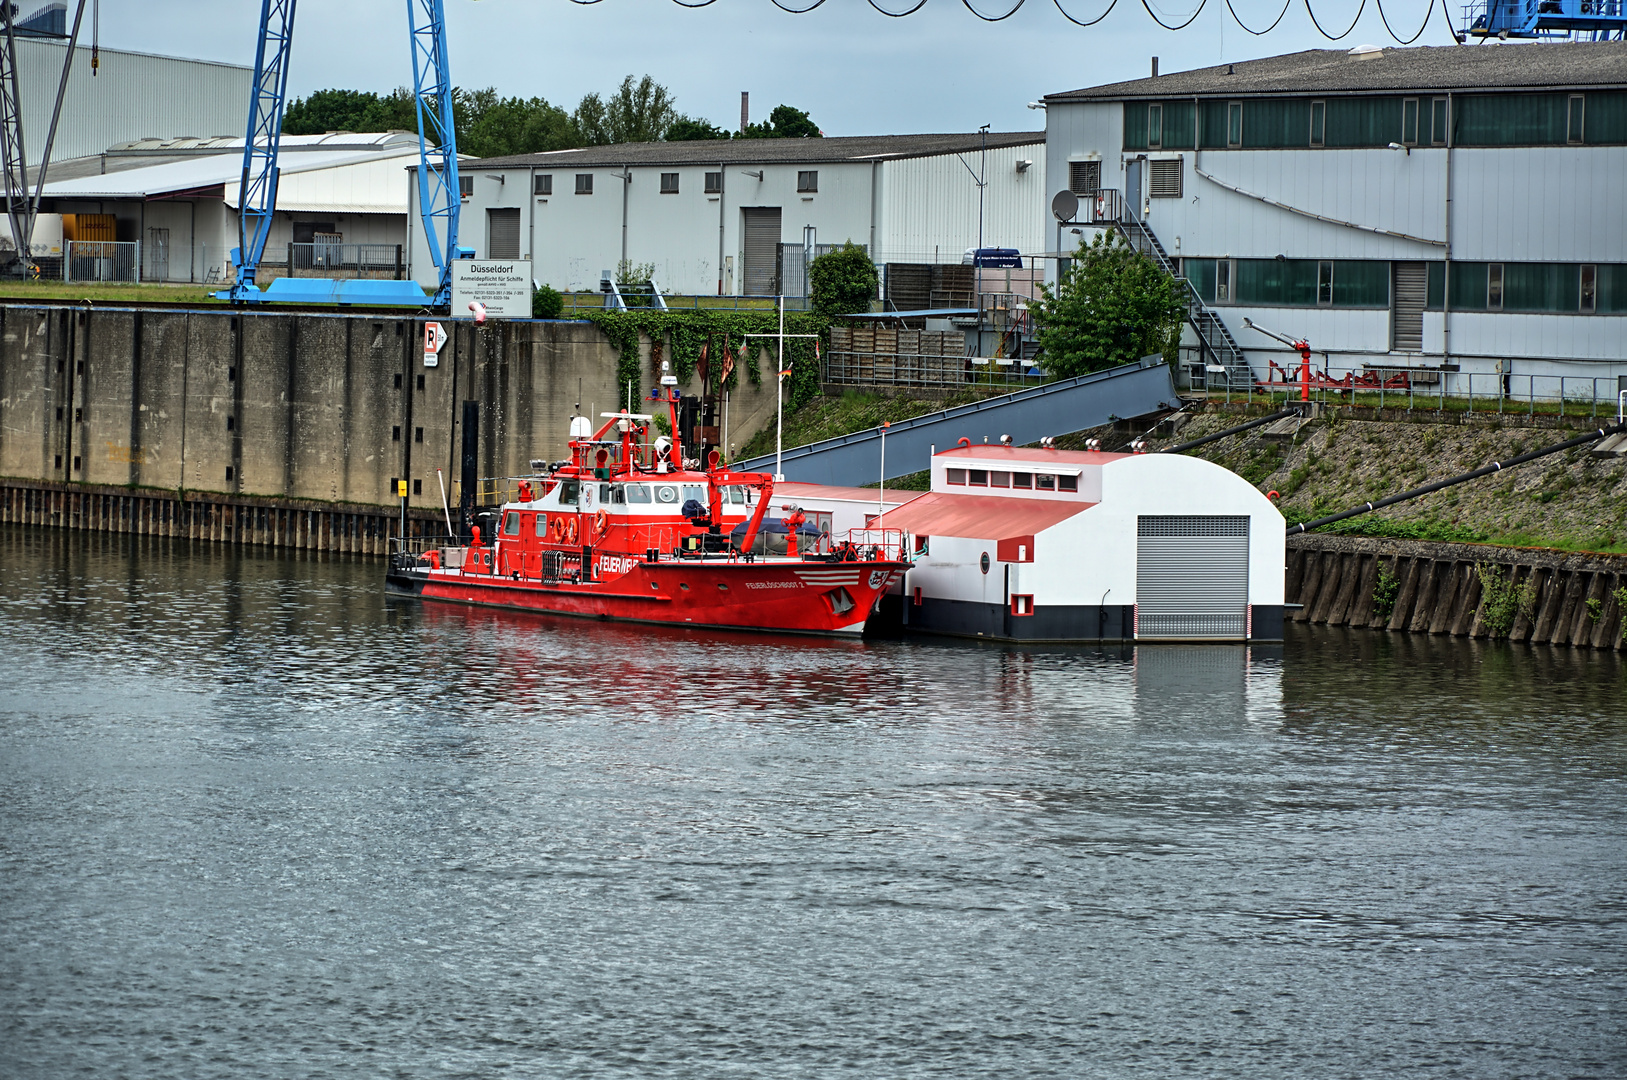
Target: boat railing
x=422, y=545
x=883, y=545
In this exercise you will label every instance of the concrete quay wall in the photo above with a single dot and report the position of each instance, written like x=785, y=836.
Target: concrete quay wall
x=272, y=405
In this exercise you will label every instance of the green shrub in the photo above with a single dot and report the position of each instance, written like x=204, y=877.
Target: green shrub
x=1385, y=591
x=1501, y=599
x=842, y=281
x=546, y=303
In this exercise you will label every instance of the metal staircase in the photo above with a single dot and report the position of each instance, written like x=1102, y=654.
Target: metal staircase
x=1216, y=345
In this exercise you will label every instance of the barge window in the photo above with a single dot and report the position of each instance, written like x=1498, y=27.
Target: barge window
x=567, y=492
x=1068, y=483
x=999, y=479
x=957, y=476
x=511, y=524
x=637, y=493
x=980, y=478
x=1044, y=482
x=1022, y=480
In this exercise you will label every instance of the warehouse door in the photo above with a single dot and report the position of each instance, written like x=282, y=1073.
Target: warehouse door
x=1407, y=300
x=503, y=232
x=1192, y=578
x=762, y=228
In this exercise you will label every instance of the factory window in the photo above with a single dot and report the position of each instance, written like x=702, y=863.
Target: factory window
x=1573, y=118
x=1234, y=124
x=1409, y=122
x=466, y=185
x=420, y=382
x=1067, y=483
x=1223, y=281
x=808, y=180
x=956, y=476
x=542, y=184
x=999, y=479
x=1541, y=287
x=1324, y=282
x=417, y=487
x=1435, y=289
x=1494, y=286
x=228, y=470
x=398, y=380
x=1437, y=121
x=714, y=183
x=584, y=183
x=1163, y=125
x=669, y=183
x=1044, y=482
x=1466, y=286
x=1319, y=122
x=395, y=433
x=1165, y=179
x=418, y=435
x=1084, y=177
x=978, y=478
x=1022, y=480
x=1590, y=287
x=1201, y=273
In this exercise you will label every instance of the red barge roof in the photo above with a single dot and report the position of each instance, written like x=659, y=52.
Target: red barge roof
x=979, y=517
x=1036, y=454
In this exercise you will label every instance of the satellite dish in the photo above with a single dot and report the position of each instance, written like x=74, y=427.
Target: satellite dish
x=1065, y=206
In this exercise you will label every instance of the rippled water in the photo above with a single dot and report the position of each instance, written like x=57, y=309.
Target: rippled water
x=257, y=820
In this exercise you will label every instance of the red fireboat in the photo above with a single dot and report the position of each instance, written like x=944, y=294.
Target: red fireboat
x=622, y=530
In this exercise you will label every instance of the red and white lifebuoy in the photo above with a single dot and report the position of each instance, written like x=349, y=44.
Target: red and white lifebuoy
x=601, y=522
x=570, y=531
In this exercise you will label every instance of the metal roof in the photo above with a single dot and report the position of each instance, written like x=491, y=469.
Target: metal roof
x=382, y=191
x=980, y=517
x=767, y=151
x=1489, y=67
x=1035, y=455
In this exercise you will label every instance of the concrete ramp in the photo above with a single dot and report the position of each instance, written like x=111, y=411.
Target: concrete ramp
x=1027, y=415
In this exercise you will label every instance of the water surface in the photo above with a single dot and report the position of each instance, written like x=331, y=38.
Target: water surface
x=258, y=820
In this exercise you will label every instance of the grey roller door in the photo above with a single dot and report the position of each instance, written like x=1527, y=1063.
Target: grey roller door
x=503, y=233
x=1192, y=578
x=1410, y=294
x=762, y=249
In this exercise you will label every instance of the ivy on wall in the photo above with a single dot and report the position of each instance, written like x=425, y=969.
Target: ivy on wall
x=678, y=337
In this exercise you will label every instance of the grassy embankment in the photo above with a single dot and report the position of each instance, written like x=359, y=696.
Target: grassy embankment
x=1570, y=501
x=118, y=293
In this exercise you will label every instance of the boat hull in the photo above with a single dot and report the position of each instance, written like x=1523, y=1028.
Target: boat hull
x=779, y=597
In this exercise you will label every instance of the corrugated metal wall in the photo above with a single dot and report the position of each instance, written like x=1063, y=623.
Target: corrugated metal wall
x=929, y=205
x=132, y=96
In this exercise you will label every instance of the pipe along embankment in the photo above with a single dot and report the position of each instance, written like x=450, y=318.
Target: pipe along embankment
x=1487, y=470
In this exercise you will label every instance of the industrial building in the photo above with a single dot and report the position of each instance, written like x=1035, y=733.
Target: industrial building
x=1439, y=212
x=125, y=97
x=341, y=208
x=1036, y=544
x=737, y=216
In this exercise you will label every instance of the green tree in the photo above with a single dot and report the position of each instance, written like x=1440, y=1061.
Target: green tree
x=492, y=126
x=350, y=110
x=1113, y=306
x=640, y=111
x=693, y=129
x=783, y=123
x=842, y=281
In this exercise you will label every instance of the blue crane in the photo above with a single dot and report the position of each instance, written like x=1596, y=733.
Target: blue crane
x=438, y=199
x=1602, y=20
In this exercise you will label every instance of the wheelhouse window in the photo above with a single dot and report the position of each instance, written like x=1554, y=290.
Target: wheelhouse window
x=511, y=524
x=568, y=492
x=636, y=493
x=542, y=526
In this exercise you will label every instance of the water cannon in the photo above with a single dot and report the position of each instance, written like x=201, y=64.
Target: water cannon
x=1303, y=346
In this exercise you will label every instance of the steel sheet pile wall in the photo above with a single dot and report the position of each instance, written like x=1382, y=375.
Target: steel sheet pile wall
x=1440, y=592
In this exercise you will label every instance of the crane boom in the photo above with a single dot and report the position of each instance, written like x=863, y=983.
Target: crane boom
x=438, y=199
x=438, y=196
x=257, y=197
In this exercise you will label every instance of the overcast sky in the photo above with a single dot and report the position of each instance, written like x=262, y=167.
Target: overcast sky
x=855, y=71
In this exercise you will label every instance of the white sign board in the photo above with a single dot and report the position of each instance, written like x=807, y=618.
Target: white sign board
x=503, y=286
x=434, y=338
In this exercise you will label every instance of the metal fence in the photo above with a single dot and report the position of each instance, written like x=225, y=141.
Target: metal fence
x=101, y=260
x=1434, y=390
x=324, y=258
x=847, y=368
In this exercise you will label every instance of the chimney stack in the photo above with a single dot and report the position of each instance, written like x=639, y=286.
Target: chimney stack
x=745, y=110
x=1155, y=67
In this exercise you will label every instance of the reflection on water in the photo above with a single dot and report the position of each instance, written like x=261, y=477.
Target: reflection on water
x=255, y=819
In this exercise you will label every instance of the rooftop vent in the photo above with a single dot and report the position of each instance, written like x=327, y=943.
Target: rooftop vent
x=1365, y=52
